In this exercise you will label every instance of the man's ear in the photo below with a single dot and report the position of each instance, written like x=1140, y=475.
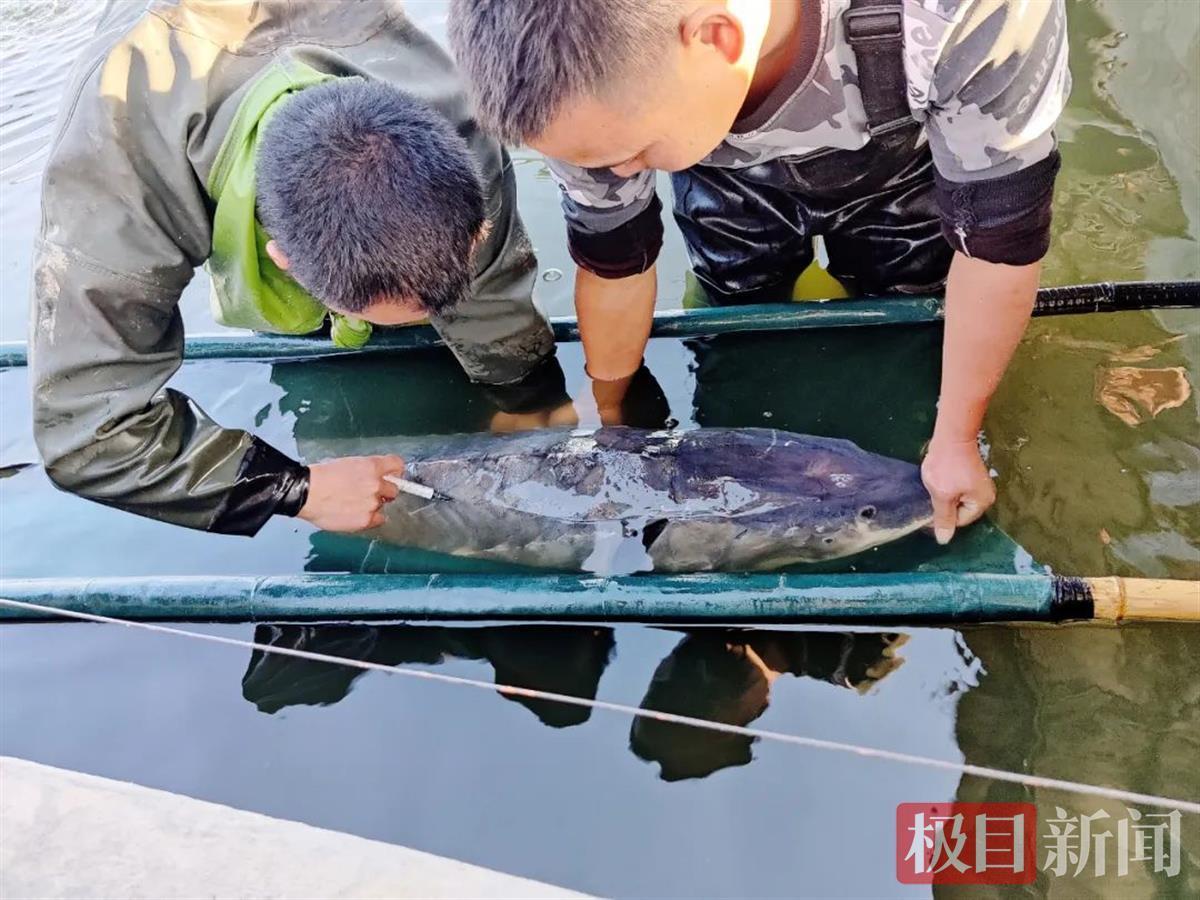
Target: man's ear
x=277, y=255
x=713, y=24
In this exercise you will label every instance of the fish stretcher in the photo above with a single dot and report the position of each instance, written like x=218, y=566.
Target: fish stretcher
x=902, y=597
x=907, y=597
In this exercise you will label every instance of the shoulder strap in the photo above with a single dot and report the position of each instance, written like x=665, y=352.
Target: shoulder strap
x=875, y=32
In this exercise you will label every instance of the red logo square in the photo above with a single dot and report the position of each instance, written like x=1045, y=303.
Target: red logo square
x=966, y=843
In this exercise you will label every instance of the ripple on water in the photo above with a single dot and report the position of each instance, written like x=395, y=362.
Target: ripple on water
x=39, y=42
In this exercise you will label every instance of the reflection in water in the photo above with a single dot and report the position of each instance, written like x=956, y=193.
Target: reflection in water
x=418, y=393
x=715, y=674
x=1125, y=209
x=726, y=676
x=1100, y=705
x=1134, y=394
x=552, y=658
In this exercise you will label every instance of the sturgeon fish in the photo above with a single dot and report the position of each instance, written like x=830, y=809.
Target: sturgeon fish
x=621, y=500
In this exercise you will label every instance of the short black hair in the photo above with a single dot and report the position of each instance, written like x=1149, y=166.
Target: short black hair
x=523, y=59
x=371, y=194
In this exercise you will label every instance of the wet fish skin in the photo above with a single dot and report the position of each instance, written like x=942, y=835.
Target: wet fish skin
x=622, y=500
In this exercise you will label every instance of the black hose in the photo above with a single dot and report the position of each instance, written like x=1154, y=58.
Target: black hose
x=1109, y=296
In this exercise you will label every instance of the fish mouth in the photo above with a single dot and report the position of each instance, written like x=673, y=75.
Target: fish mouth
x=876, y=536
x=864, y=538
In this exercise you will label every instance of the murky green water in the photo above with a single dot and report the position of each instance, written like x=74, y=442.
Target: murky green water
x=1090, y=483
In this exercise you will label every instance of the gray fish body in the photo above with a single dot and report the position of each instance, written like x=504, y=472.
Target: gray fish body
x=623, y=500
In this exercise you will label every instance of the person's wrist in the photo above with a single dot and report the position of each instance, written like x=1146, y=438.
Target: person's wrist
x=543, y=387
x=610, y=393
x=952, y=441
x=294, y=492
x=268, y=483
x=952, y=427
x=611, y=374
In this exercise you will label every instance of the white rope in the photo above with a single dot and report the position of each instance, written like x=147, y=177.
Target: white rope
x=1037, y=781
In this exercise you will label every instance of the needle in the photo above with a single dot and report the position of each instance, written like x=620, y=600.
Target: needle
x=417, y=490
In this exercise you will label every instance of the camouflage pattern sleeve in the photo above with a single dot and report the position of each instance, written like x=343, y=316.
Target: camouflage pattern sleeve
x=596, y=200
x=614, y=225
x=999, y=84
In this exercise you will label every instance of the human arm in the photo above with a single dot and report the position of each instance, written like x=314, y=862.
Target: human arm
x=615, y=315
x=614, y=234
x=539, y=400
x=634, y=398
x=993, y=107
x=497, y=333
x=124, y=224
x=499, y=336
x=987, y=309
x=637, y=400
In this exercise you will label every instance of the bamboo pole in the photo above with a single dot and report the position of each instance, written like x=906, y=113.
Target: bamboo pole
x=1145, y=599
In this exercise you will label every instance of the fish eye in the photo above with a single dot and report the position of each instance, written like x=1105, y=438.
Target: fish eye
x=827, y=541
x=867, y=513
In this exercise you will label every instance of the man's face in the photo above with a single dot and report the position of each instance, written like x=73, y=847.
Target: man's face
x=669, y=121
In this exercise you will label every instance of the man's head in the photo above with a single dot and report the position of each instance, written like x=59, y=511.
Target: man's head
x=620, y=84
x=371, y=199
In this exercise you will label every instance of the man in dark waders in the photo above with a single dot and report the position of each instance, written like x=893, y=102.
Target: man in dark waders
x=914, y=136
x=321, y=159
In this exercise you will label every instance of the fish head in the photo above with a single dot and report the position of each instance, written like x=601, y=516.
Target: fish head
x=849, y=501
